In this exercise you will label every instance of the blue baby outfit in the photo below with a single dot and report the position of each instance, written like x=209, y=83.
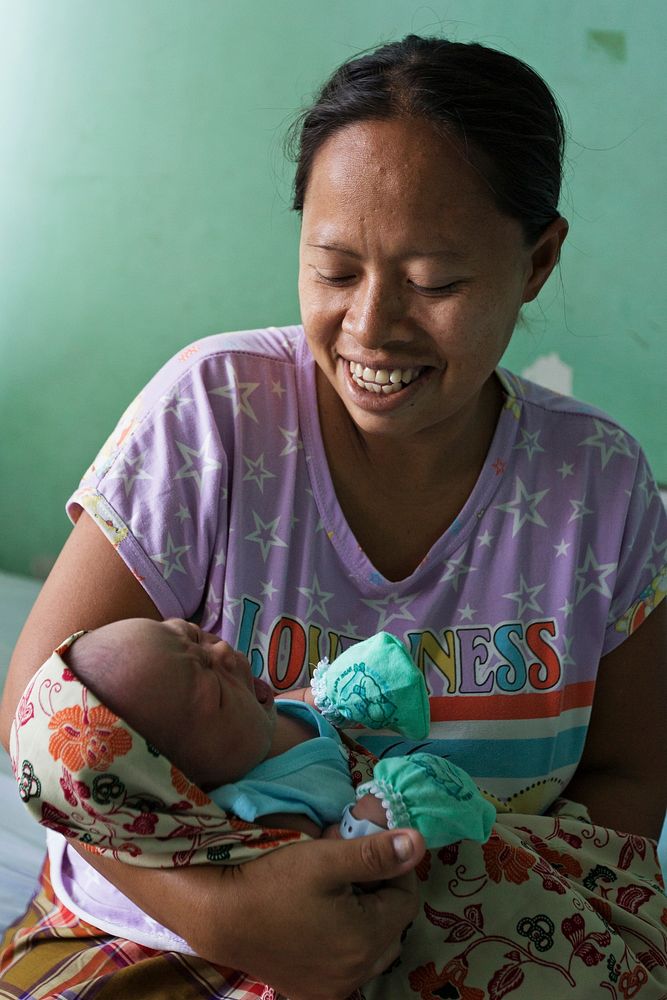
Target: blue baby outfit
x=311, y=778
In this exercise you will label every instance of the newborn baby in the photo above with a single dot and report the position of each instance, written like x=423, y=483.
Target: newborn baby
x=277, y=761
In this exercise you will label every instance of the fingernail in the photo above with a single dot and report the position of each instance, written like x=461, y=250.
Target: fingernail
x=402, y=847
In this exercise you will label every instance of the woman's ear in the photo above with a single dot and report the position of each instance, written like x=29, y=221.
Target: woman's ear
x=544, y=256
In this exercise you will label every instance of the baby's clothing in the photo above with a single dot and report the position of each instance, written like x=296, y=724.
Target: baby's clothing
x=312, y=778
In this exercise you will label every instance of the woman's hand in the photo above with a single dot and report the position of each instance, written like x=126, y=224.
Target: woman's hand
x=321, y=939
x=293, y=918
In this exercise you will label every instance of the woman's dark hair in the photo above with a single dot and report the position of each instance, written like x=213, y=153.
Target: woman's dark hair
x=503, y=112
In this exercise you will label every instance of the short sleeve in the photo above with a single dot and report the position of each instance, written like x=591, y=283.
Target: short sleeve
x=157, y=488
x=641, y=578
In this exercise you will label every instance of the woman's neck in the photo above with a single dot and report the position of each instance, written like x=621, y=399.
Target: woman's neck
x=400, y=495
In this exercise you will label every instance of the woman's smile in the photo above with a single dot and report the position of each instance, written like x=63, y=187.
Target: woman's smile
x=382, y=389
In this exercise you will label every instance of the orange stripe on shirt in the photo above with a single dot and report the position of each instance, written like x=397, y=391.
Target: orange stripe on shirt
x=537, y=705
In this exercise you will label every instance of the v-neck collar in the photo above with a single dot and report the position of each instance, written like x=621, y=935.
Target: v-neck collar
x=343, y=541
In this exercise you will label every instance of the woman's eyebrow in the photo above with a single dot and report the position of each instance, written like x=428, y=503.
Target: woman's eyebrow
x=445, y=252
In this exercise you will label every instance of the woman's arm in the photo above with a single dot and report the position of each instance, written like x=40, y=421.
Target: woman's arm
x=236, y=916
x=89, y=586
x=316, y=940
x=622, y=777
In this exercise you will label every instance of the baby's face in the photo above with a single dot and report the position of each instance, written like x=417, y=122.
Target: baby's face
x=187, y=692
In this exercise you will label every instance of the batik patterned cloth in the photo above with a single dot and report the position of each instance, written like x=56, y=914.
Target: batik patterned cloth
x=85, y=773
x=550, y=906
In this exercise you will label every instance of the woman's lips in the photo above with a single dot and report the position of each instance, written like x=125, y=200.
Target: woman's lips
x=263, y=692
x=384, y=396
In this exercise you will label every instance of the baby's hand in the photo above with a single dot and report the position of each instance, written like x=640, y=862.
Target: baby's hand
x=370, y=807
x=299, y=694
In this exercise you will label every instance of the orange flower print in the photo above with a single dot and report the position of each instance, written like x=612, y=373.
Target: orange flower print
x=632, y=982
x=186, y=788
x=502, y=861
x=87, y=738
x=430, y=984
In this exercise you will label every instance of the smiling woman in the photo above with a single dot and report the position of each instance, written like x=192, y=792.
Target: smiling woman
x=296, y=489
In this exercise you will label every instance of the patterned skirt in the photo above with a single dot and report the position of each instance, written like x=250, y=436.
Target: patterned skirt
x=550, y=906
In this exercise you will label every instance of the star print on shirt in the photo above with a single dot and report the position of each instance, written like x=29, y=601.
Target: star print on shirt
x=277, y=388
x=523, y=507
x=526, y=597
x=265, y=534
x=562, y=547
x=292, y=442
x=239, y=393
x=566, y=658
x=183, y=514
x=566, y=470
x=131, y=470
x=579, y=510
x=485, y=539
x=173, y=402
x=211, y=609
x=256, y=472
x=206, y=462
x=567, y=608
x=317, y=598
x=592, y=576
x=645, y=487
x=610, y=440
x=467, y=613
x=268, y=590
x=170, y=559
x=529, y=444
x=656, y=563
x=385, y=615
x=456, y=569
x=231, y=603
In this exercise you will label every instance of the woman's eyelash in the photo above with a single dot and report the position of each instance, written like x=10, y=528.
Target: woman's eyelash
x=423, y=289
x=438, y=290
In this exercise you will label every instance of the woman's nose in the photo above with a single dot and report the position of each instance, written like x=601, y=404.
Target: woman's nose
x=374, y=315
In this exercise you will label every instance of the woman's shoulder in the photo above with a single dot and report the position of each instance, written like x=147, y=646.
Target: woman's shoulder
x=272, y=343
x=565, y=416
x=225, y=363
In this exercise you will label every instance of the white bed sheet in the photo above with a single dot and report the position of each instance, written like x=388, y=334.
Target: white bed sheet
x=22, y=841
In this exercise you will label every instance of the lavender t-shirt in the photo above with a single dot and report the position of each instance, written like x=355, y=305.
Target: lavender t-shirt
x=216, y=491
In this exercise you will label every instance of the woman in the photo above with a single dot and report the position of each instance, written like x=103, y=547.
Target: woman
x=297, y=490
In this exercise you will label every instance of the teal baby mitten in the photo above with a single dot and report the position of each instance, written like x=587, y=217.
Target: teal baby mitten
x=433, y=795
x=374, y=683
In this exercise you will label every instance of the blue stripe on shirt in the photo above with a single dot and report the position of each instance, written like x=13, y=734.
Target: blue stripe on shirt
x=531, y=758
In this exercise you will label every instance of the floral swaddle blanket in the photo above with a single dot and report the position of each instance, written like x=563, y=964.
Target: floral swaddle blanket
x=549, y=906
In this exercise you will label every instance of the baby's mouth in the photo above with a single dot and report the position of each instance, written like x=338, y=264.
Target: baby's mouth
x=383, y=380
x=263, y=692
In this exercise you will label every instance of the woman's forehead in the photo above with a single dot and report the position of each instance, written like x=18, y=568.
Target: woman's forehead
x=401, y=183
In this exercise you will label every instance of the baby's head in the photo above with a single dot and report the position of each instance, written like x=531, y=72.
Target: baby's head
x=186, y=691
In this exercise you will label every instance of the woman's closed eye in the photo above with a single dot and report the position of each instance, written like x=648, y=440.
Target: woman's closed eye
x=334, y=279
x=429, y=290
x=436, y=290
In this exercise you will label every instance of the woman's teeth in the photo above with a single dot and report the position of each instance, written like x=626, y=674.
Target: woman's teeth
x=381, y=379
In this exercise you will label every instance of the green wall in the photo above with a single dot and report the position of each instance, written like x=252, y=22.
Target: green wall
x=144, y=204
